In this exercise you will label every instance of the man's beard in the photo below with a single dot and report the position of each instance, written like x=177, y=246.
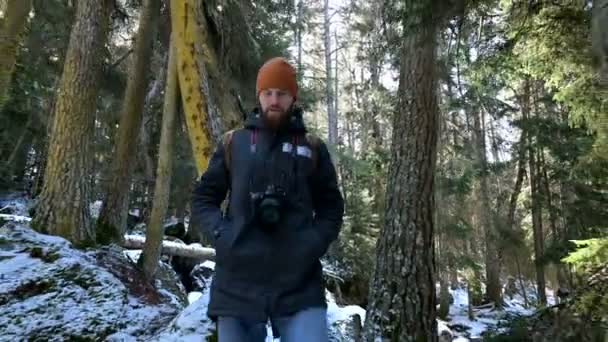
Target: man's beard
x=275, y=122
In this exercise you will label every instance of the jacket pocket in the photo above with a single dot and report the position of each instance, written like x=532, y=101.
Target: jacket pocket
x=222, y=241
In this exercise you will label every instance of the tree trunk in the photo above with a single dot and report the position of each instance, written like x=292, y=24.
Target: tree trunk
x=332, y=122
x=493, y=287
x=402, y=292
x=299, y=28
x=148, y=260
x=521, y=282
x=209, y=106
x=521, y=173
x=17, y=160
x=599, y=37
x=562, y=278
x=536, y=201
x=63, y=208
x=336, y=87
x=112, y=221
x=13, y=24
x=146, y=145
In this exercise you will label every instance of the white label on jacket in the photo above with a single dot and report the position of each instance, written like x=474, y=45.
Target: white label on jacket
x=304, y=151
x=287, y=147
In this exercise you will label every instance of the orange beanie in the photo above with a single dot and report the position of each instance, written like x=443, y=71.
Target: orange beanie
x=277, y=73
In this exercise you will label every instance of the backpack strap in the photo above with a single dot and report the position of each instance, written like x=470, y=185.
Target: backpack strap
x=227, y=143
x=314, y=142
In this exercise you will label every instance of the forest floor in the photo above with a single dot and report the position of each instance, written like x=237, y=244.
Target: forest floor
x=50, y=290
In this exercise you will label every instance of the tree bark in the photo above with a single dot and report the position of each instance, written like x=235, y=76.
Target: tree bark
x=599, y=37
x=112, y=221
x=493, y=287
x=13, y=24
x=299, y=29
x=17, y=160
x=63, y=208
x=536, y=201
x=521, y=173
x=332, y=121
x=209, y=106
x=402, y=292
x=148, y=260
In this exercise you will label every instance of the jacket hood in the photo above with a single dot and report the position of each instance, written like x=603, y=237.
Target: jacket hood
x=295, y=122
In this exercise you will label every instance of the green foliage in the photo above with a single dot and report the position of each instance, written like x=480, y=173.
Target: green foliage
x=590, y=253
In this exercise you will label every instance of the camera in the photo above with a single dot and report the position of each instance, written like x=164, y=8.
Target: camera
x=268, y=206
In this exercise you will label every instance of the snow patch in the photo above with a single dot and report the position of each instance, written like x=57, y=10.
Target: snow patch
x=50, y=291
x=194, y=296
x=95, y=208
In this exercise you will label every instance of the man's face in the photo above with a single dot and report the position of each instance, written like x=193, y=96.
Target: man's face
x=275, y=105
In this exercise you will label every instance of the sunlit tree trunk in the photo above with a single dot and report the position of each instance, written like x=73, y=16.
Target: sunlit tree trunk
x=112, y=220
x=493, y=287
x=402, y=291
x=150, y=256
x=63, y=207
x=537, y=220
x=332, y=120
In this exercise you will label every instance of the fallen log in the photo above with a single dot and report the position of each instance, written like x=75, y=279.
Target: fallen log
x=173, y=248
x=195, y=250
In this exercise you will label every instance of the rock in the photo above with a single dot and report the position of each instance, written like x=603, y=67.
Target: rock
x=345, y=322
x=201, y=276
x=192, y=324
x=52, y=292
x=444, y=332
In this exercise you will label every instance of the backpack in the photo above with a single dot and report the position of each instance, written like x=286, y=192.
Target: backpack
x=311, y=139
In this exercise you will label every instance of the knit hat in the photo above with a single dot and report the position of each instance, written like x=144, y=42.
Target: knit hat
x=277, y=73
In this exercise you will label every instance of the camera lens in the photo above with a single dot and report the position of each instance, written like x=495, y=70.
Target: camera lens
x=270, y=211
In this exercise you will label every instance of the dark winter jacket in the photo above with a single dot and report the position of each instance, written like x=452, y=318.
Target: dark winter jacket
x=261, y=274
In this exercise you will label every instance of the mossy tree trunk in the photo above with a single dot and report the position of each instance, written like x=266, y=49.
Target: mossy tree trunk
x=63, y=207
x=209, y=107
x=148, y=260
x=13, y=25
x=112, y=220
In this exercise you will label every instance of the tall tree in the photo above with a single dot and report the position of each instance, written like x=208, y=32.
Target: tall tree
x=493, y=287
x=402, y=292
x=599, y=38
x=113, y=215
x=148, y=260
x=63, y=207
x=13, y=24
x=332, y=120
x=534, y=177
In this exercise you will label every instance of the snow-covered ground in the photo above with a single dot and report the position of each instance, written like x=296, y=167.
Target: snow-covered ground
x=52, y=291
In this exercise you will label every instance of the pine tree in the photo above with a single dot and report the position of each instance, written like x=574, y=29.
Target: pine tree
x=402, y=292
x=63, y=206
x=112, y=219
x=493, y=287
x=148, y=260
x=12, y=28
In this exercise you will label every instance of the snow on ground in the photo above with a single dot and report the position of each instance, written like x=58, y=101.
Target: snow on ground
x=486, y=317
x=192, y=324
x=50, y=291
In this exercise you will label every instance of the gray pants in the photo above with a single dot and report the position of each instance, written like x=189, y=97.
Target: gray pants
x=304, y=326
